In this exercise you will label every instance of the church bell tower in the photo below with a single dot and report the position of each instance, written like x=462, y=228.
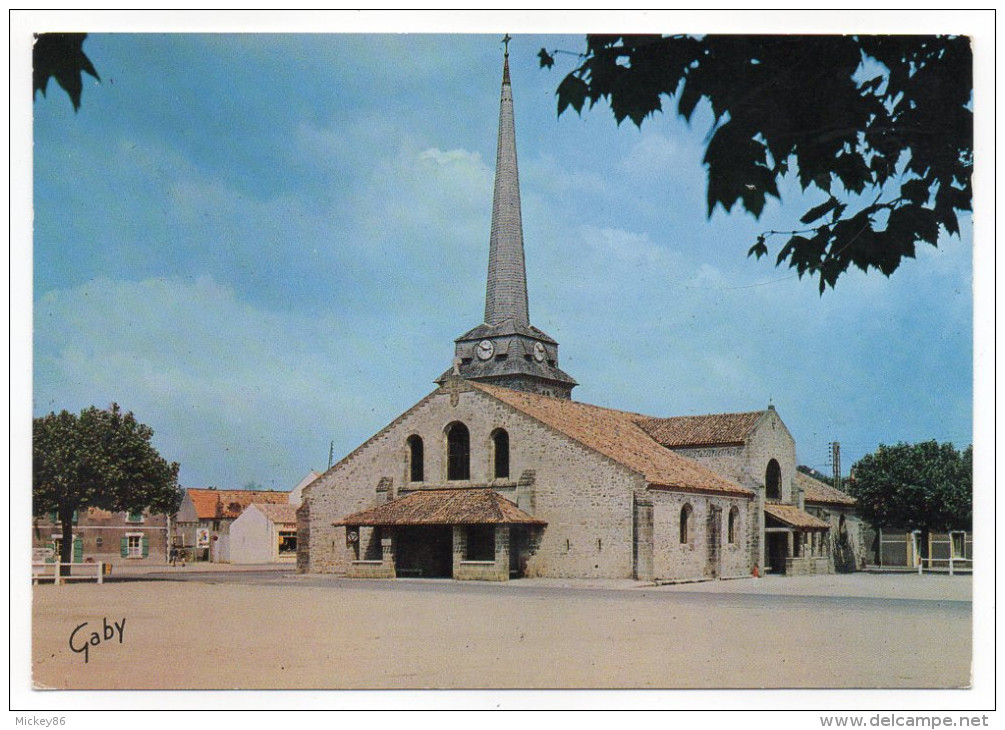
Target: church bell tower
x=506, y=350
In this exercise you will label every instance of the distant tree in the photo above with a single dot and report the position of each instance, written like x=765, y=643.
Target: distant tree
x=103, y=459
x=61, y=56
x=883, y=125
x=926, y=486
x=253, y=486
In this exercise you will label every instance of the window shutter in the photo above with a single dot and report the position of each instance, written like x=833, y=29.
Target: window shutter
x=78, y=550
x=124, y=547
x=146, y=545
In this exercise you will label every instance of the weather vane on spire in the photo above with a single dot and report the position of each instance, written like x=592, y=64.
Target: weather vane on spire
x=506, y=39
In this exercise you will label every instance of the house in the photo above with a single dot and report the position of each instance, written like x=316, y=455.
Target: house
x=202, y=525
x=264, y=533
x=104, y=536
x=499, y=473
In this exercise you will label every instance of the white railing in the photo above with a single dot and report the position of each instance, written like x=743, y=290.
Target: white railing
x=51, y=571
x=952, y=560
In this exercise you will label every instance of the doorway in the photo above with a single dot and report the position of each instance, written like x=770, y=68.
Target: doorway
x=777, y=551
x=424, y=551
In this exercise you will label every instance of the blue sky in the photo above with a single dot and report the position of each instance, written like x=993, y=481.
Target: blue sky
x=261, y=244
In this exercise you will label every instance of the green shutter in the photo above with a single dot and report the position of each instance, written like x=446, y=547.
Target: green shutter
x=124, y=547
x=146, y=546
x=55, y=552
x=78, y=550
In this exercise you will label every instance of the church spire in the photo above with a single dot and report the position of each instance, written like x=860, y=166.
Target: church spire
x=506, y=350
x=506, y=287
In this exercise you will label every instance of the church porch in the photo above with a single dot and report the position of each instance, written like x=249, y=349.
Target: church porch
x=464, y=534
x=795, y=541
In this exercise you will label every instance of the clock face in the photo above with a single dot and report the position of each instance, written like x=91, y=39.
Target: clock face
x=539, y=352
x=485, y=350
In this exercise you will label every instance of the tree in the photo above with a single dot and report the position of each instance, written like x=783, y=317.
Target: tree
x=103, y=459
x=882, y=125
x=926, y=486
x=61, y=56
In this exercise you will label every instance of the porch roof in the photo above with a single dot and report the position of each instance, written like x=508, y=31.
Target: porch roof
x=444, y=507
x=789, y=514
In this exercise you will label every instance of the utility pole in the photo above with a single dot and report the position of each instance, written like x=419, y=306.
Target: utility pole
x=836, y=463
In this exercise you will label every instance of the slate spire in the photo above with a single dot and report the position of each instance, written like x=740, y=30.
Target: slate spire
x=506, y=287
x=506, y=350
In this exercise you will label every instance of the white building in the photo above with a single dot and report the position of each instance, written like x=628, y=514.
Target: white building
x=264, y=533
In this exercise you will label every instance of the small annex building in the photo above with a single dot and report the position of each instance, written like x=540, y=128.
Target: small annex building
x=202, y=524
x=499, y=473
x=846, y=529
x=264, y=533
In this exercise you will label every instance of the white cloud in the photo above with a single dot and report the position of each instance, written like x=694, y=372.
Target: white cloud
x=234, y=392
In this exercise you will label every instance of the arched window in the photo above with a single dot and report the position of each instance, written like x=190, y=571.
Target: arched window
x=773, y=481
x=734, y=525
x=685, y=519
x=500, y=453
x=415, y=459
x=458, y=452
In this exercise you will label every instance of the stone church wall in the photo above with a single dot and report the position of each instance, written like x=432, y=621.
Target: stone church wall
x=748, y=465
x=585, y=498
x=674, y=561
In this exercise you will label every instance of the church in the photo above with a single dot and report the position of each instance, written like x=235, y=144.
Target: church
x=499, y=473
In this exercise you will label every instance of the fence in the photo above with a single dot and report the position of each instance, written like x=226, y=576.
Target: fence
x=50, y=571
x=946, y=551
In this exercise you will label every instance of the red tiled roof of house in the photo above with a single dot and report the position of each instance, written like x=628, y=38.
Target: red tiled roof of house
x=283, y=513
x=817, y=491
x=714, y=429
x=444, y=507
x=619, y=436
x=792, y=515
x=228, y=504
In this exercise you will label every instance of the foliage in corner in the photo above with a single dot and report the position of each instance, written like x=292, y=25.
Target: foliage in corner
x=61, y=56
x=103, y=459
x=926, y=486
x=881, y=125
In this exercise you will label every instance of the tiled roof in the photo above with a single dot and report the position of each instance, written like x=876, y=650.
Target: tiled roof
x=817, y=491
x=279, y=513
x=715, y=429
x=444, y=507
x=619, y=436
x=795, y=517
x=228, y=504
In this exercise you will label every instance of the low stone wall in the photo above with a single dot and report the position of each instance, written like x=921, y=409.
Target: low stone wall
x=370, y=569
x=808, y=566
x=480, y=570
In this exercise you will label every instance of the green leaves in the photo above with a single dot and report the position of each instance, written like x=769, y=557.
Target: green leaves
x=927, y=486
x=61, y=55
x=101, y=458
x=819, y=211
x=572, y=92
x=797, y=105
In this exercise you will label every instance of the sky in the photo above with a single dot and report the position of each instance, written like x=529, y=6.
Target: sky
x=265, y=245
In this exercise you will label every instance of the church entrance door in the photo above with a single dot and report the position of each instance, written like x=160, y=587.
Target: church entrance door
x=424, y=551
x=778, y=550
